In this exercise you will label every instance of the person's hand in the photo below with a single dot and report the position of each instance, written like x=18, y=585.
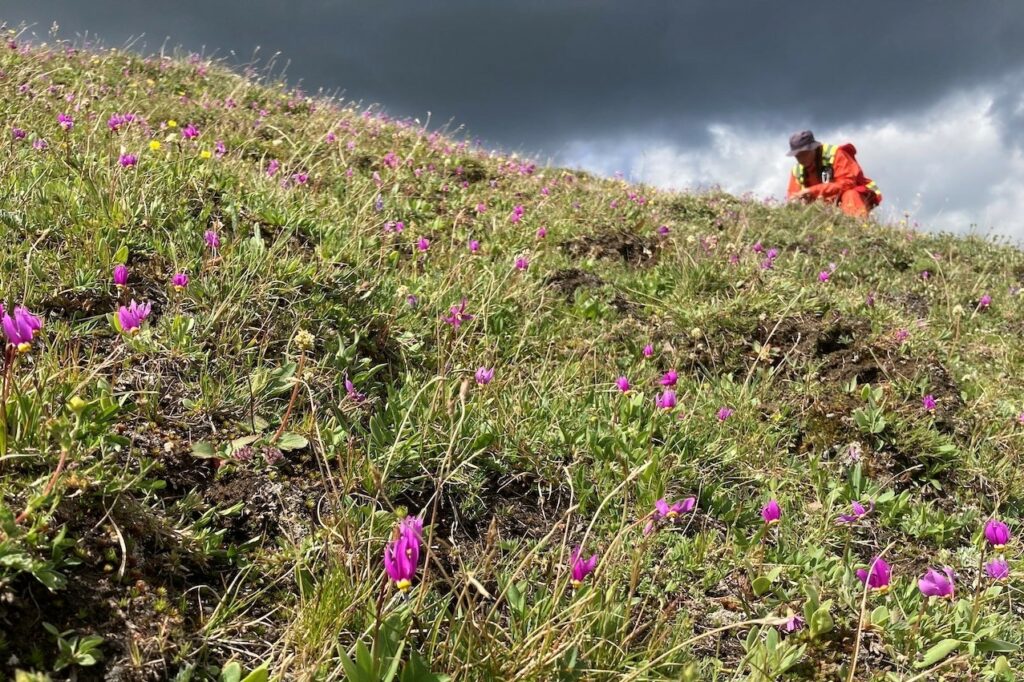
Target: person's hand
x=803, y=195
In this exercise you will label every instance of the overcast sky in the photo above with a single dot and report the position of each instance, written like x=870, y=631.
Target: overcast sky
x=677, y=93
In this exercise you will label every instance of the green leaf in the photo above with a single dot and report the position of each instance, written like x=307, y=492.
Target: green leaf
x=938, y=652
x=260, y=674
x=761, y=585
x=121, y=255
x=880, y=616
x=231, y=672
x=291, y=441
x=203, y=450
x=997, y=646
x=821, y=621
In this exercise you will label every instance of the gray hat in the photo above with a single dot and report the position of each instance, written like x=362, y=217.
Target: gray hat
x=802, y=142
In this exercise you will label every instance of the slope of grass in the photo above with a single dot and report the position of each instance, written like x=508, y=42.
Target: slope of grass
x=208, y=496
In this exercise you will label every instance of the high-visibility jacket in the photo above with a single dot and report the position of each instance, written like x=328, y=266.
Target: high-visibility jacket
x=839, y=173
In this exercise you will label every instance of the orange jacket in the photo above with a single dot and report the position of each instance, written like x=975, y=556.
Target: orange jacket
x=846, y=175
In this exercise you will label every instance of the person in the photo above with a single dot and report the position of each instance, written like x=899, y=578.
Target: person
x=827, y=172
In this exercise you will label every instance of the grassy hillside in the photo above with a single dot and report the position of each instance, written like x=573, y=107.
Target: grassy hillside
x=212, y=490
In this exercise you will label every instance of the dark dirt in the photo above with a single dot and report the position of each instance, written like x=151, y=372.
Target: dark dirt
x=630, y=248
x=568, y=280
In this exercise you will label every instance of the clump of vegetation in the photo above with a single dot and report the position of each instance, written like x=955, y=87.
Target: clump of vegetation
x=293, y=389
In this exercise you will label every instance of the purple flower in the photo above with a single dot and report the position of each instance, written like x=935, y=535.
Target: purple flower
x=663, y=230
x=39, y=144
x=65, y=121
x=648, y=351
x=984, y=302
x=878, y=576
x=272, y=167
x=724, y=413
x=669, y=379
x=190, y=132
x=901, y=335
x=771, y=512
x=859, y=512
x=300, y=178
x=824, y=275
x=351, y=392
x=212, y=239
x=935, y=584
x=120, y=275
x=757, y=247
x=665, y=511
x=18, y=133
x=542, y=232
x=412, y=300
x=401, y=557
x=481, y=207
x=272, y=455
x=793, y=623
x=997, y=569
x=219, y=149
x=522, y=263
x=484, y=375
x=179, y=281
x=666, y=400
x=928, y=402
x=474, y=246
x=413, y=525
x=580, y=567
x=19, y=328
x=997, y=533
x=128, y=160
x=131, y=317
x=423, y=244
x=457, y=314
x=869, y=300
x=623, y=384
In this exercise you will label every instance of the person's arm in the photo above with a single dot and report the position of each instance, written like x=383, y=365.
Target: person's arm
x=794, y=187
x=845, y=171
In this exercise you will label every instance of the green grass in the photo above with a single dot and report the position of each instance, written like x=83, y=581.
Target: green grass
x=140, y=499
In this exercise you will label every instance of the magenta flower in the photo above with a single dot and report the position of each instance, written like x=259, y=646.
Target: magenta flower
x=272, y=167
x=869, y=300
x=190, y=132
x=665, y=511
x=984, y=302
x=623, y=384
x=757, y=247
x=401, y=557
x=935, y=584
x=300, y=178
x=928, y=402
x=128, y=160
x=219, y=149
x=474, y=246
x=648, y=351
x=131, y=317
x=901, y=335
x=666, y=400
x=484, y=375
x=824, y=276
x=724, y=413
x=179, y=281
x=771, y=512
x=120, y=275
x=457, y=314
x=542, y=232
x=65, y=121
x=859, y=512
x=39, y=144
x=878, y=577
x=997, y=533
x=580, y=567
x=997, y=569
x=669, y=379
x=423, y=244
x=20, y=328
x=517, y=213
x=412, y=524
x=481, y=207
x=212, y=239
x=522, y=263
x=18, y=134
x=663, y=231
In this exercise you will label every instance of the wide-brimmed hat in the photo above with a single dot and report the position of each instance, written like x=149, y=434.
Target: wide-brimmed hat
x=802, y=142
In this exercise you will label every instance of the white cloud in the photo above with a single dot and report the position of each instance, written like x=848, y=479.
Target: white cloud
x=950, y=166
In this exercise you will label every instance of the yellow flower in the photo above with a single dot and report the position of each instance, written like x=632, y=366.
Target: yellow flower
x=205, y=154
x=171, y=123
x=154, y=145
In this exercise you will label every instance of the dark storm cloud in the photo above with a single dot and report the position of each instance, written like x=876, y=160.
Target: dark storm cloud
x=531, y=74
